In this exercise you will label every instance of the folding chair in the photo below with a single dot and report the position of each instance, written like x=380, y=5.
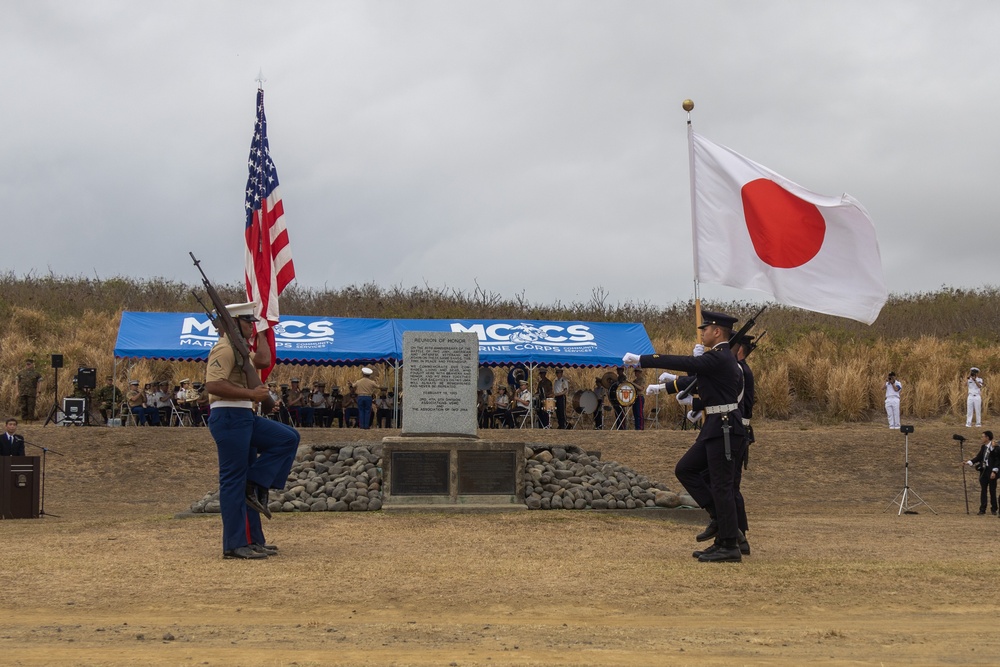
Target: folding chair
x=181, y=416
x=126, y=415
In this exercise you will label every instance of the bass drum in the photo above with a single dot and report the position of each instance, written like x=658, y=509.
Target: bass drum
x=626, y=394
x=585, y=402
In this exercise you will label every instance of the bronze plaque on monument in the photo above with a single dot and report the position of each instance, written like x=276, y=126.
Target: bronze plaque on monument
x=420, y=473
x=486, y=472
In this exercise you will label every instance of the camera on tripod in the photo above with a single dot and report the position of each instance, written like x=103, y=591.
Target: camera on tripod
x=906, y=429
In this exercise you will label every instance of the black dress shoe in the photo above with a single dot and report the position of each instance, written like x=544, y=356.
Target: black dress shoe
x=981, y=512
x=711, y=530
x=266, y=549
x=257, y=499
x=722, y=555
x=244, y=553
x=706, y=550
x=745, y=548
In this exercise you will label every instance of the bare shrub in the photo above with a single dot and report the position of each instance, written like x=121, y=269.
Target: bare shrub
x=773, y=396
x=847, y=391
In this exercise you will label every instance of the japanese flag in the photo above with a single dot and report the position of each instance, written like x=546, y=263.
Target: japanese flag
x=755, y=229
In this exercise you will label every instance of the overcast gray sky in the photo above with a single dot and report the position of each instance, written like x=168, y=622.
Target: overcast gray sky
x=532, y=147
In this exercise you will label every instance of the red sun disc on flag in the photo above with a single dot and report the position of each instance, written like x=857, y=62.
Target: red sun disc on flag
x=786, y=231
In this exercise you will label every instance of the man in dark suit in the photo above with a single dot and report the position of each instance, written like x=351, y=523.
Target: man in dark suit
x=720, y=444
x=11, y=444
x=987, y=462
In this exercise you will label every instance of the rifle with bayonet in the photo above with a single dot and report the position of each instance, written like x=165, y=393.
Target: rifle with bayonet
x=225, y=323
x=745, y=329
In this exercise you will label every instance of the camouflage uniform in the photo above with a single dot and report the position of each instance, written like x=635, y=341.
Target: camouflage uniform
x=27, y=391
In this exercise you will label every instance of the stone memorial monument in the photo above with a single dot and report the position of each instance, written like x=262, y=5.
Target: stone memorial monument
x=439, y=461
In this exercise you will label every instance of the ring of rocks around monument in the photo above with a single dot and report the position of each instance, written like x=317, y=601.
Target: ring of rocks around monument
x=348, y=477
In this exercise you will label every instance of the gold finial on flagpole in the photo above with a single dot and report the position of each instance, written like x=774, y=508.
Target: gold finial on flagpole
x=688, y=105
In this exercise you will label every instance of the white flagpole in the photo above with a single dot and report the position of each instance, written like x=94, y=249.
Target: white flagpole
x=688, y=105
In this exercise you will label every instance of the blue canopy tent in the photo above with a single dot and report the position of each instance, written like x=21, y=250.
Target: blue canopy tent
x=340, y=341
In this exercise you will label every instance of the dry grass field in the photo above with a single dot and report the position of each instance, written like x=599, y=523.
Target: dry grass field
x=110, y=577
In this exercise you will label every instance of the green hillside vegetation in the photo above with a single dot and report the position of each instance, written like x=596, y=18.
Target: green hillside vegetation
x=810, y=366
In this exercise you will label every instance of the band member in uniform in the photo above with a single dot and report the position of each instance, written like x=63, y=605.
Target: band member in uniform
x=319, y=404
x=336, y=407
x=350, y=404
x=602, y=396
x=560, y=389
x=974, y=402
x=621, y=420
x=365, y=388
x=27, y=389
x=298, y=405
x=11, y=444
x=137, y=404
x=255, y=454
x=383, y=409
x=502, y=413
x=544, y=391
x=720, y=443
x=522, y=401
x=639, y=406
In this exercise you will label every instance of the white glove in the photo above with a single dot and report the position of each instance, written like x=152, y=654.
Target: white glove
x=667, y=377
x=655, y=388
x=699, y=350
x=630, y=359
x=687, y=400
x=693, y=416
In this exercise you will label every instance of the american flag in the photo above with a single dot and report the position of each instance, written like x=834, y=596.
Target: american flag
x=269, y=265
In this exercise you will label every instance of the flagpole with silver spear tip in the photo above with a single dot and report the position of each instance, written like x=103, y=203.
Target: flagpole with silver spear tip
x=688, y=105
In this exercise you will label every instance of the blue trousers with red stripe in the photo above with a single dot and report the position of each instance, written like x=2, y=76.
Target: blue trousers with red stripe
x=251, y=449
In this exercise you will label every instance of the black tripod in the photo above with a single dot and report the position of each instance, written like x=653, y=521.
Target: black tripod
x=45, y=450
x=903, y=498
x=55, y=409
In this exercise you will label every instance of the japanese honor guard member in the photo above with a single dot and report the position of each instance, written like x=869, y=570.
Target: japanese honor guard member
x=719, y=447
x=974, y=401
x=255, y=454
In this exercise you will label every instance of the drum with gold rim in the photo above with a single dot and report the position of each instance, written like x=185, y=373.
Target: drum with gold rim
x=626, y=394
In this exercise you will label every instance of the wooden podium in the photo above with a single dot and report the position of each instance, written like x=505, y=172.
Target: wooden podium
x=20, y=482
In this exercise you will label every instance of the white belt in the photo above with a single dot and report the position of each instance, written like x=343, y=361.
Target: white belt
x=233, y=404
x=717, y=409
x=746, y=422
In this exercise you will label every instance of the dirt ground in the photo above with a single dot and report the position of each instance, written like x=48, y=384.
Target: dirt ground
x=109, y=577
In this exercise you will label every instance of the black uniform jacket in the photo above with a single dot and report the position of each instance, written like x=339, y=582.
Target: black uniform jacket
x=986, y=467
x=8, y=448
x=720, y=382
